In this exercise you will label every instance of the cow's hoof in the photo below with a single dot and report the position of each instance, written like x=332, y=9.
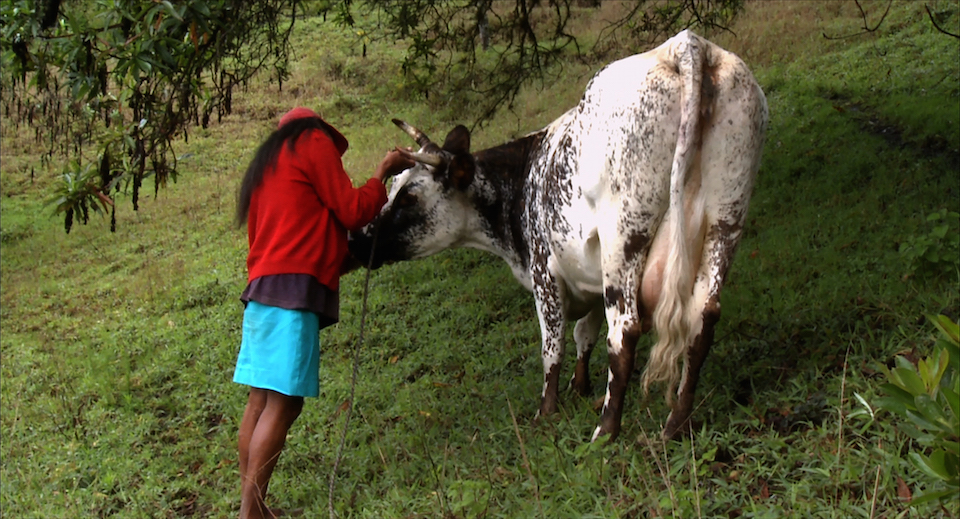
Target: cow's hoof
x=582, y=387
x=548, y=418
x=676, y=428
x=603, y=435
x=549, y=404
x=546, y=411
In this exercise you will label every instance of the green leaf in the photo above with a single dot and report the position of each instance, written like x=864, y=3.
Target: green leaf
x=172, y=11
x=931, y=496
x=666, y=502
x=921, y=421
x=938, y=463
x=911, y=381
x=918, y=435
x=947, y=327
x=924, y=370
x=921, y=463
x=60, y=202
x=951, y=461
x=892, y=404
x=709, y=456
x=953, y=400
x=202, y=8
x=942, y=362
x=143, y=63
x=81, y=89
x=952, y=447
x=895, y=381
x=932, y=412
x=165, y=54
x=953, y=352
x=902, y=362
x=862, y=401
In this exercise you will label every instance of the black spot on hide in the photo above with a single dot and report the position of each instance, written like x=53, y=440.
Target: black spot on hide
x=635, y=245
x=614, y=296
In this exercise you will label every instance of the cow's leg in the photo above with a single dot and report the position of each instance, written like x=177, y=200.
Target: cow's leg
x=678, y=422
x=585, y=335
x=720, y=244
x=547, y=290
x=624, y=331
x=622, y=268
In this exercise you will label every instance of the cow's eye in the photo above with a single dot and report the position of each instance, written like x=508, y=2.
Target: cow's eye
x=406, y=200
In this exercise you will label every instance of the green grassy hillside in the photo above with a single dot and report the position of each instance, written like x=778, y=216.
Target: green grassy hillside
x=117, y=350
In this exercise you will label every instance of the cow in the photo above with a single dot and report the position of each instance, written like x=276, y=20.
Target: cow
x=629, y=206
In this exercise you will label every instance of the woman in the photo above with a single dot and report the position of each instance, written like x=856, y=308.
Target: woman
x=298, y=204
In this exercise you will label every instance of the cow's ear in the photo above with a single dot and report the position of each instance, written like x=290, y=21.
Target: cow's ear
x=458, y=140
x=460, y=172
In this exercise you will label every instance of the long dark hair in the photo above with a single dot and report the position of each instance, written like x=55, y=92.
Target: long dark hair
x=266, y=157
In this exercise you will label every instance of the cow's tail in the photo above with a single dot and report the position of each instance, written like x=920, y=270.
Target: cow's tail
x=671, y=321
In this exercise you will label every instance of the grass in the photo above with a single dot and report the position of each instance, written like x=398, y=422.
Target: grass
x=117, y=350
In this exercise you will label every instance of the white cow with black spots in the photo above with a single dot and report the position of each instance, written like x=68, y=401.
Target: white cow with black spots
x=629, y=207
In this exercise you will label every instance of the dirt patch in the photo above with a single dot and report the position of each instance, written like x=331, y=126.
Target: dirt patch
x=896, y=137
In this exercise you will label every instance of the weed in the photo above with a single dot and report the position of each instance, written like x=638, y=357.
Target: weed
x=937, y=250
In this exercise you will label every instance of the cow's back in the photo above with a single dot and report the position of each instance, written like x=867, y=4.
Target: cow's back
x=622, y=135
x=623, y=128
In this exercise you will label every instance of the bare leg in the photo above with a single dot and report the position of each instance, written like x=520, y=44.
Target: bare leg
x=255, y=404
x=260, y=445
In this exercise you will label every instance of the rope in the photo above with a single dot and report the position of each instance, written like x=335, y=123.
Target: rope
x=353, y=380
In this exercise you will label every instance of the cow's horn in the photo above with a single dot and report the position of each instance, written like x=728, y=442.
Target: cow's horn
x=417, y=135
x=427, y=158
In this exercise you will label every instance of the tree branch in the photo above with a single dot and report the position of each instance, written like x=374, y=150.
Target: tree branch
x=866, y=26
x=934, y=22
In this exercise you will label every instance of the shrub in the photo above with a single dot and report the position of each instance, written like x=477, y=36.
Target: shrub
x=937, y=250
x=927, y=398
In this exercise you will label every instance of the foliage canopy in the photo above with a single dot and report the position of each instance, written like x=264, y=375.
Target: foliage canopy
x=126, y=79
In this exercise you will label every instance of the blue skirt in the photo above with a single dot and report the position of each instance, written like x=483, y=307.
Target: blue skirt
x=280, y=350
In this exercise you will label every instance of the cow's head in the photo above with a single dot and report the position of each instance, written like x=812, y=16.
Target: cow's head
x=427, y=208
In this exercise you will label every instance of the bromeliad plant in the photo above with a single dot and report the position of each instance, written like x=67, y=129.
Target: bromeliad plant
x=927, y=397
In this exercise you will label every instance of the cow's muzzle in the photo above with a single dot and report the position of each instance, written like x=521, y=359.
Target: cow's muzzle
x=361, y=247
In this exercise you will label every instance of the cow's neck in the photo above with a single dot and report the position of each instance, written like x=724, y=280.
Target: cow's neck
x=498, y=198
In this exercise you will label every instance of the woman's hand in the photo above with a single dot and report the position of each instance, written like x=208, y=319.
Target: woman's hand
x=395, y=161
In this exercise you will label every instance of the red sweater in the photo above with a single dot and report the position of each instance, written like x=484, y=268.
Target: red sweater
x=301, y=212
